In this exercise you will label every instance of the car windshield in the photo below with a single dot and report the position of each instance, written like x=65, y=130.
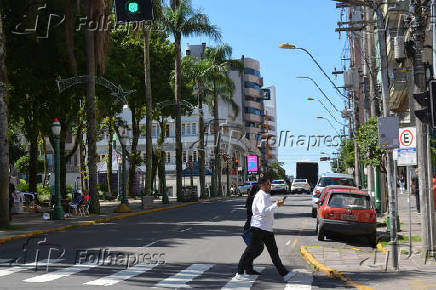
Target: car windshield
x=347, y=200
x=326, y=181
x=277, y=182
x=300, y=181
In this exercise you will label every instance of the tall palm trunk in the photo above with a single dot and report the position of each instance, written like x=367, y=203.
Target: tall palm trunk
x=44, y=152
x=201, y=153
x=149, y=115
x=4, y=140
x=91, y=121
x=161, y=159
x=217, y=141
x=133, y=154
x=178, y=95
x=33, y=162
x=109, y=157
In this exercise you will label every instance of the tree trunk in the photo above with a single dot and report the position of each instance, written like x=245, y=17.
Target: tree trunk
x=149, y=115
x=133, y=154
x=33, y=162
x=217, y=142
x=201, y=153
x=82, y=165
x=4, y=138
x=44, y=152
x=161, y=157
x=109, y=157
x=63, y=168
x=91, y=121
x=178, y=116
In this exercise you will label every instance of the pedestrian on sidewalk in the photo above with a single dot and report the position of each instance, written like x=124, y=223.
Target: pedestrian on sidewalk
x=414, y=187
x=402, y=184
x=262, y=234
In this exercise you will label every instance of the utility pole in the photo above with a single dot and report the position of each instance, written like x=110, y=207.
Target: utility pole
x=386, y=113
x=418, y=35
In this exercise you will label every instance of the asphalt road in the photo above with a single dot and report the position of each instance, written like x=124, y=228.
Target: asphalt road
x=191, y=247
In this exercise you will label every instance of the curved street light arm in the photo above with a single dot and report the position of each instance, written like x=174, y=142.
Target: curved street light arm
x=322, y=92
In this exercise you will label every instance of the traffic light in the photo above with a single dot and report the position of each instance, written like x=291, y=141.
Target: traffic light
x=423, y=114
x=128, y=11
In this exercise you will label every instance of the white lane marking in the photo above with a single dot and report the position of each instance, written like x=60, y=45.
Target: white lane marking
x=122, y=275
x=302, y=281
x=15, y=269
x=151, y=244
x=242, y=285
x=288, y=243
x=61, y=273
x=180, y=279
x=185, y=230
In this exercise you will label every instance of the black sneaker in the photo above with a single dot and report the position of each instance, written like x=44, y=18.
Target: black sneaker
x=252, y=272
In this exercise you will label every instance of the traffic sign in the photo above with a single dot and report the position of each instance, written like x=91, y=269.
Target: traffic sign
x=388, y=132
x=407, y=138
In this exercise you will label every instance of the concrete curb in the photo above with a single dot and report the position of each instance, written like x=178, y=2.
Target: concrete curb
x=103, y=220
x=330, y=272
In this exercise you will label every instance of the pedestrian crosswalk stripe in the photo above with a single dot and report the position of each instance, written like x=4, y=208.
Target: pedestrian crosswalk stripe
x=122, y=275
x=16, y=269
x=240, y=285
x=180, y=279
x=302, y=281
x=61, y=273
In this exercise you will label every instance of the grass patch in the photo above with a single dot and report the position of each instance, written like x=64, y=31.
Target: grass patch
x=384, y=241
x=11, y=228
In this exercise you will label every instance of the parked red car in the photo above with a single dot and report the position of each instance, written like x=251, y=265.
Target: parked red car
x=347, y=212
x=320, y=194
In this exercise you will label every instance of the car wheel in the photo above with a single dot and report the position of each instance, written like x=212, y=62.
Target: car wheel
x=320, y=233
x=372, y=240
x=314, y=212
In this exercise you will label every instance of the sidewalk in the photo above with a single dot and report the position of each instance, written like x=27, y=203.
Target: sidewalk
x=29, y=222
x=369, y=268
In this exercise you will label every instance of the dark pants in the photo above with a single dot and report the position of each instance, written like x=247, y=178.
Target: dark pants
x=258, y=239
x=418, y=204
x=11, y=205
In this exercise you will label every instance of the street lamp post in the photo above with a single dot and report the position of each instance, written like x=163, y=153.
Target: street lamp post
x=290, y=46
x=124, y=205
x=58, y=213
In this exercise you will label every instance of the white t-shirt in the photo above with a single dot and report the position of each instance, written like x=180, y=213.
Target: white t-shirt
x=263, y=211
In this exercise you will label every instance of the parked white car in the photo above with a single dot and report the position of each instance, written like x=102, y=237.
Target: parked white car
x=328, y=179
x=300, y=185
x=245, y=188
x=279, y=186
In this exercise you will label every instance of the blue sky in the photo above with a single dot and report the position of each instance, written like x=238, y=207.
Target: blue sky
x=255, y=28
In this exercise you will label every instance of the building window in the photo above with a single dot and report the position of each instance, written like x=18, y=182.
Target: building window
x=154, y=131
x=184, y=156
x=251, y=85
x=250, y=71
x=190, y=157
x=168, y=157
x=195, y=156
x=188, y=130
x=194, y=129
x=183, y=129
x=250, y=110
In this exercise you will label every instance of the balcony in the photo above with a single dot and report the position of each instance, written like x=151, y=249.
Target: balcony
x=252, y=130
x=253, y=93
x=253, y=79
x=253, y=104
x=253, y=118
x=399, y=91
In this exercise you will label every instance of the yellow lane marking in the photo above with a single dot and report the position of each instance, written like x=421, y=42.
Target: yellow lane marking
x=330, y=272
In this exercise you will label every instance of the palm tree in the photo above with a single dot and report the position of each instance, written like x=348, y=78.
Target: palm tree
x=157, y=9
x=180, y=19
x=4, y=144
x=222, y=85
x=199, y=71
x=97, y=46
